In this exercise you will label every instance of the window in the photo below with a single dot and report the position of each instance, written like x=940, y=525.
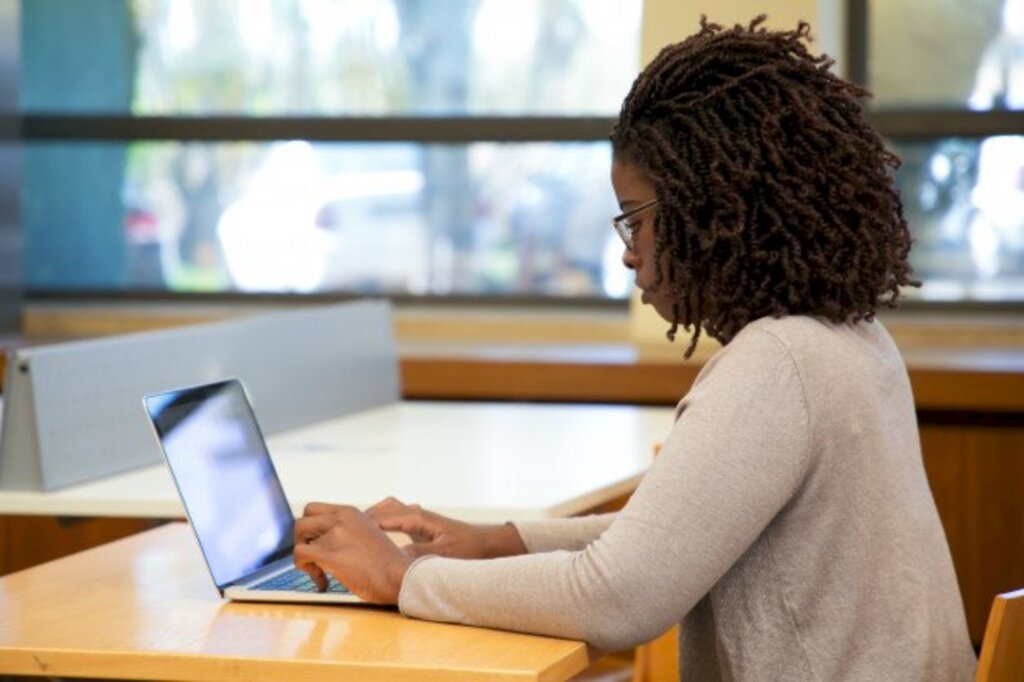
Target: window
x=956, y=116
x=964, y=198
x=442, y=148
x=456, y=147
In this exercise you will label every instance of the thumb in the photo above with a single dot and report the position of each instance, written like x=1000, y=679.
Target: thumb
x=415, y=525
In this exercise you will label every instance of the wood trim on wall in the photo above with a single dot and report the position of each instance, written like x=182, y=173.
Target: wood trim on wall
x=664, y=383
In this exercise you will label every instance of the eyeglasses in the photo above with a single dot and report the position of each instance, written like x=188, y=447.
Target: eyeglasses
x=625, y=224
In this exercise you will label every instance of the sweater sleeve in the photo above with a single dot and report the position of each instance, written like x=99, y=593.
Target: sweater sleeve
x=737, y=453
x=573, y=533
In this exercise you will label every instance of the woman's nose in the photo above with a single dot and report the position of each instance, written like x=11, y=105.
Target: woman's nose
x=630, y=260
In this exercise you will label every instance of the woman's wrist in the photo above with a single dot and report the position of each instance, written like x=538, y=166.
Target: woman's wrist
x=503, y=540
x=396, y=577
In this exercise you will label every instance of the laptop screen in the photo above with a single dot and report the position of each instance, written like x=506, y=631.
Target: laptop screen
x=226, y=479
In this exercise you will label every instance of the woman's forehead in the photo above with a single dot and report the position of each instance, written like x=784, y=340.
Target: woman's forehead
x=626, y=174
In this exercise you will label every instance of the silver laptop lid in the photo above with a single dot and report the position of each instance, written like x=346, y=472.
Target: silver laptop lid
x=225, y=477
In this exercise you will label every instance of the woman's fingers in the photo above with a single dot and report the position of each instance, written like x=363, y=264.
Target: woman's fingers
x=351, y=547
x=409, y=519
x=309, y=528
x=322, y=508
x=308, y=558
x=387, y=504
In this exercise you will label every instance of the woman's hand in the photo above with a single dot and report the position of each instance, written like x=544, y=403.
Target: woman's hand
x=346, y=543
x=435, y=534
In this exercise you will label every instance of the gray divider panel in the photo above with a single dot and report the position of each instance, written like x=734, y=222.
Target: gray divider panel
x=73, y=411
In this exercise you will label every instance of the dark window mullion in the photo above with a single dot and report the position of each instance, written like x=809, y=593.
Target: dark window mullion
x=934, y=123
x=908, y=123
x=363, y=129
x=10, y=127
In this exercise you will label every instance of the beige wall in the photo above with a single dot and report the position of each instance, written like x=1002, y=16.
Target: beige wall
x=669, y=21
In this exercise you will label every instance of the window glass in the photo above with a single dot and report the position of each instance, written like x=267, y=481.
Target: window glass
x=947, y=53
x=334, y=57
x=293, y=216
x=964, y=200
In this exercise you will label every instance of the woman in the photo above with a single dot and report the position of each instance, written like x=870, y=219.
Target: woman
x=787, y=524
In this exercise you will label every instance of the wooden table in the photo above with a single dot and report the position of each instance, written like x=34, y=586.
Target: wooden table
x=145, y=608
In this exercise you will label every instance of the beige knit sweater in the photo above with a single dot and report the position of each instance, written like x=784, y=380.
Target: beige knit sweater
x=787, y=524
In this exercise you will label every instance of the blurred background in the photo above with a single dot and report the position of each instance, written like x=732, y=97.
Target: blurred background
x=445, y=150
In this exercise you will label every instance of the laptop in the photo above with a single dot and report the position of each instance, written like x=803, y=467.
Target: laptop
x=232, y=495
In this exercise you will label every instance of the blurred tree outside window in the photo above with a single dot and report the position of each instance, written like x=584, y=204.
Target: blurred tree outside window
x=964, y=196
x=486, y=218
x=481, y=216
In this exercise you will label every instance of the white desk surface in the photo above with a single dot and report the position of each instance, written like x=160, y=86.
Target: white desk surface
x=483, y=462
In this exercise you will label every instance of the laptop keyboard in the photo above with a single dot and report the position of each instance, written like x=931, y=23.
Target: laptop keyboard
x=297, y=581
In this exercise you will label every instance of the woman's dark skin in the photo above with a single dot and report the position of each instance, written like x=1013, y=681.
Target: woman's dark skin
x=354, y=547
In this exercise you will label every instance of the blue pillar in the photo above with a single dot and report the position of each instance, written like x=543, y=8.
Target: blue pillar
x=76, y=58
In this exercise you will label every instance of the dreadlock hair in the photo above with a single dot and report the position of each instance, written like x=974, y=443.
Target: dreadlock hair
x=775, y=195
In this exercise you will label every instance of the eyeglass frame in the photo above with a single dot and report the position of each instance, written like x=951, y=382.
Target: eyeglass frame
x=625, y=229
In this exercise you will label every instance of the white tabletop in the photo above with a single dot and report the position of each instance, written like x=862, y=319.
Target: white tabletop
x=485, y=462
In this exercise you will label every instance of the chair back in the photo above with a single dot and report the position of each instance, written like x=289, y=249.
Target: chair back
x=1002, y=649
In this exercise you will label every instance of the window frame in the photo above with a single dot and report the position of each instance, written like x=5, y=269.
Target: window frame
x=921, y=123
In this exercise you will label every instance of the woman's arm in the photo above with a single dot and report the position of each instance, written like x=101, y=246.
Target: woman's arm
x=571, y=534
x=735, y=457
x=432, y=533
